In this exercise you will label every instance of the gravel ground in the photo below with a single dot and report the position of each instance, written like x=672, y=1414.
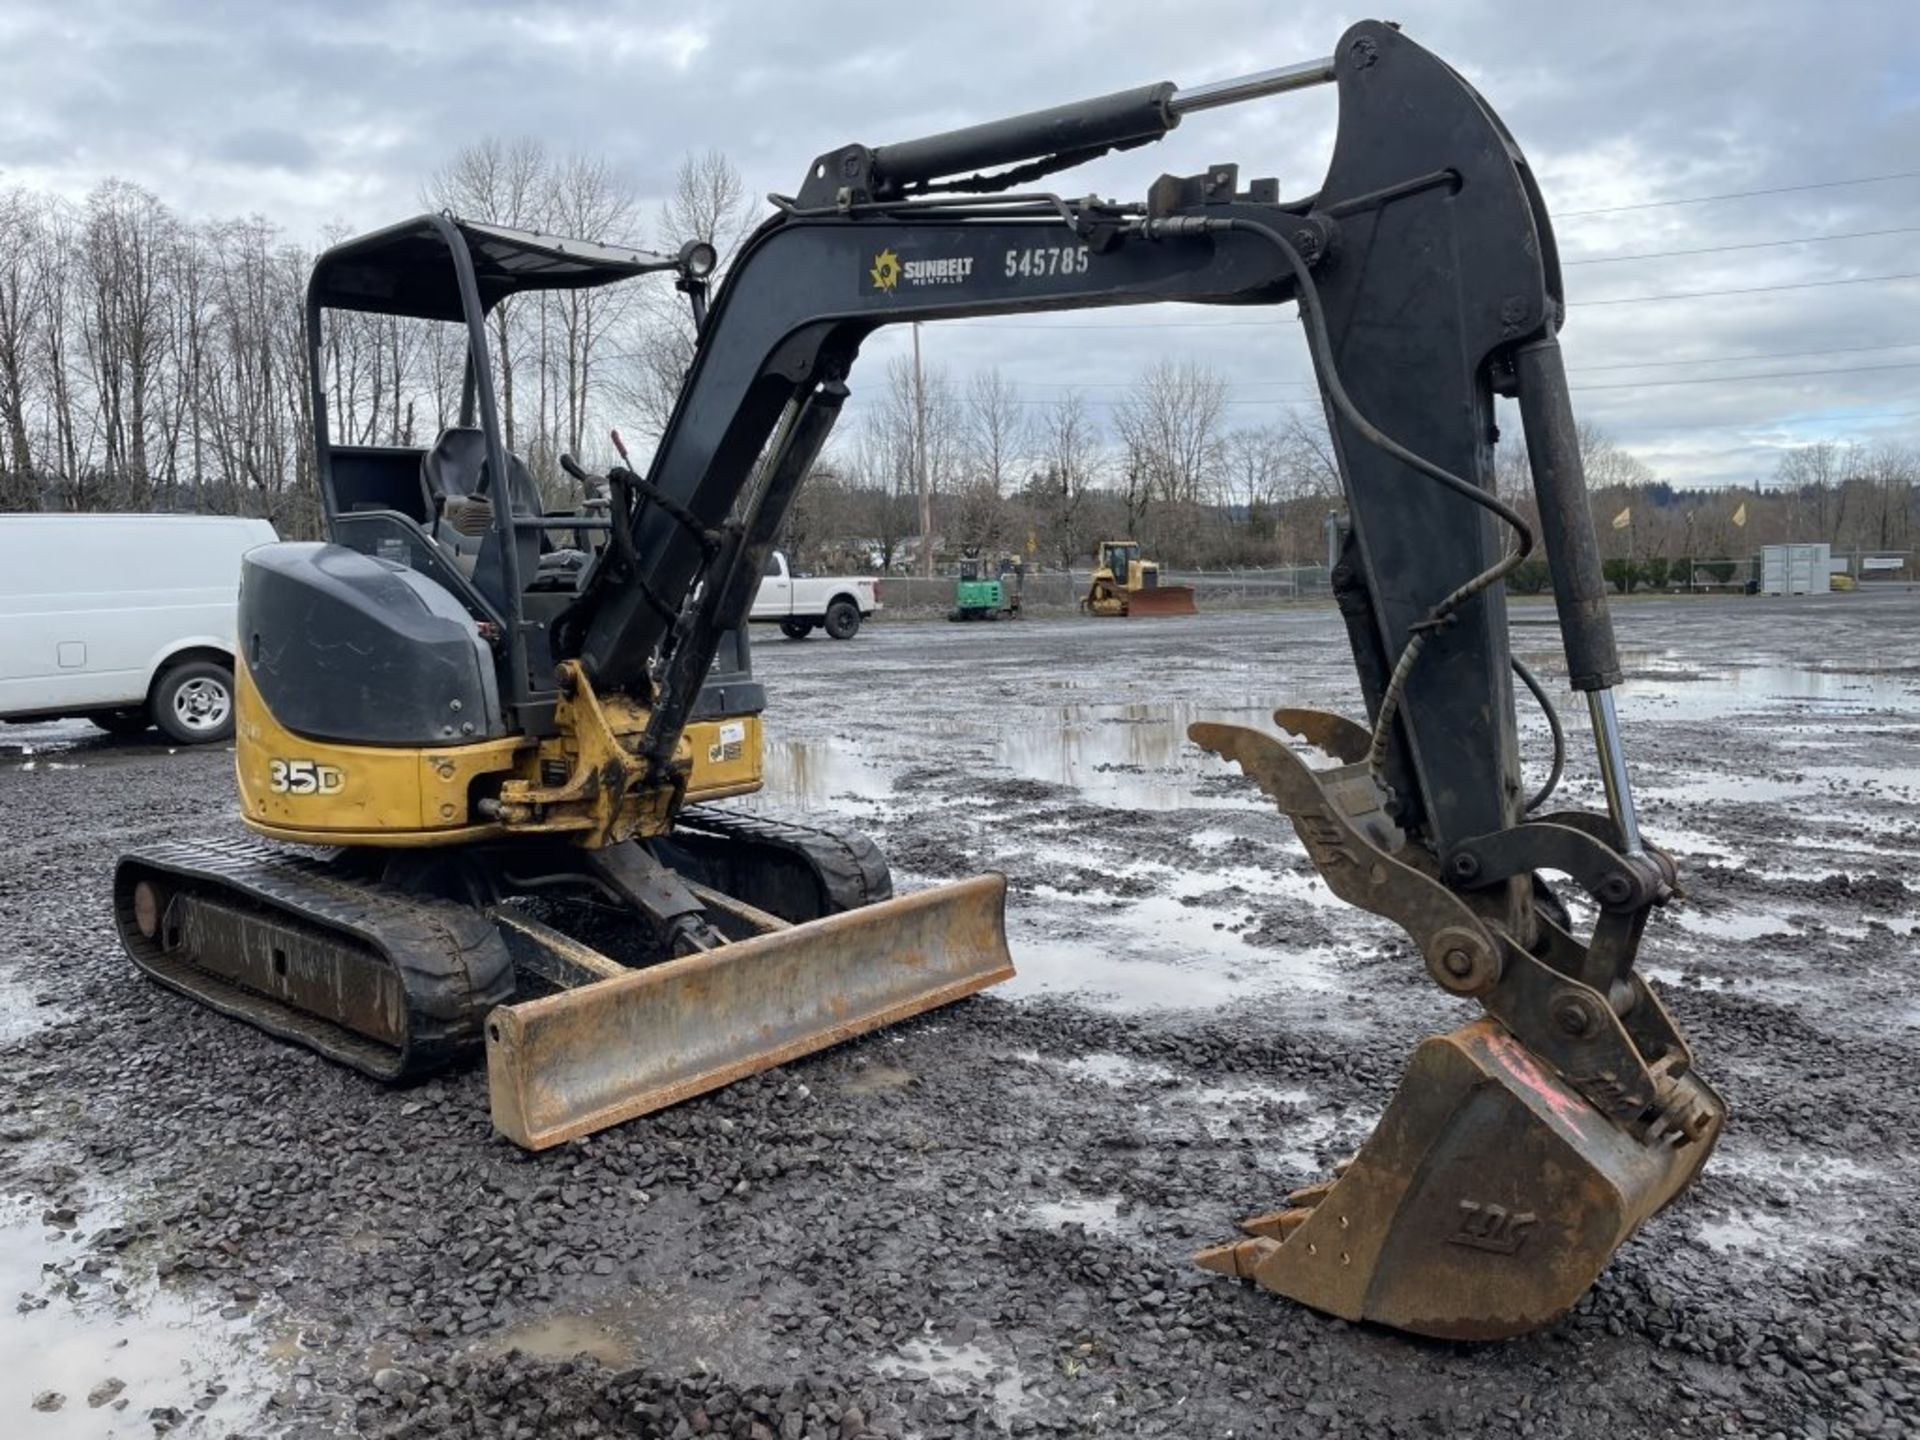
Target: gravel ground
x=980, y=1223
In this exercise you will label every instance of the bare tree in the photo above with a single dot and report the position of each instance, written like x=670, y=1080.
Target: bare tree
x=502, y=183
x=22, y=299
x=128, y=238
x=1171, y=424
x=995, y=437
x=709, y=201
x=593, y=201
x=1069, y=467
x=1250, y=471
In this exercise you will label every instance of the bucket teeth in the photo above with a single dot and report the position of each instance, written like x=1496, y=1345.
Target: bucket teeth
x=1307, y=1196
x=1278, y=1224
x=1240, y=1259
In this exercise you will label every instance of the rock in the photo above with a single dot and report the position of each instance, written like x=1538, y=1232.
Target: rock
x=49, y=1400
x=105, y=1392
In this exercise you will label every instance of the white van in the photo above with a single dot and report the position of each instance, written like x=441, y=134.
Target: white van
x=127, y=620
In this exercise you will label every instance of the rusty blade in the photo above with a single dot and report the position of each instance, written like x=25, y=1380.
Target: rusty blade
x=1161, y=600
x=1486, y=1202
x=569, y=1064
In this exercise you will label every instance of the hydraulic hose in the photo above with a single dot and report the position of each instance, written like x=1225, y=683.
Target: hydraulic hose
x=1320, y=345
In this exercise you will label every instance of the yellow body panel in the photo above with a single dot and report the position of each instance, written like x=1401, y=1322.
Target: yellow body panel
x=320, y=792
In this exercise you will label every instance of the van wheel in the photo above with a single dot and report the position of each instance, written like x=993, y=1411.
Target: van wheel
x=843, y=619
x=796, y=629
x=122, y=722
x=193, y=703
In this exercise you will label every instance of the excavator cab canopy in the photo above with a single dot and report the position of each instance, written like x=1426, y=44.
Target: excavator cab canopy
x=414, y=268
x=434, y=507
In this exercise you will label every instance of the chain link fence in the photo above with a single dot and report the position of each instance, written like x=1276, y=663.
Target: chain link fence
x=1057, y=591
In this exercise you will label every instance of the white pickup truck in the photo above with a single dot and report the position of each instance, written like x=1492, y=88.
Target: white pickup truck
x=836, y=604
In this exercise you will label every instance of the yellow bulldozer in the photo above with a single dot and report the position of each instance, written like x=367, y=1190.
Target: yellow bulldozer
x=1126, y=586
x=507, y=727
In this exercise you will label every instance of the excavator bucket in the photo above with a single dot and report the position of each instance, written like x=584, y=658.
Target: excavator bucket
x=568, y=1064
x=1161, y=600
x=1483, y=1206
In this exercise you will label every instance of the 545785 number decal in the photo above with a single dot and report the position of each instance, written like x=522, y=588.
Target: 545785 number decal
x=304, y=777
x=1047, y=260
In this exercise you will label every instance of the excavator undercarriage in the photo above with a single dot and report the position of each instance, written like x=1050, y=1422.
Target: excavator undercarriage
x=509, y=725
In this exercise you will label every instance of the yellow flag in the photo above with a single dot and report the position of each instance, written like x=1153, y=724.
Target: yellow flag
x=1623, y=519
x=1740, y=515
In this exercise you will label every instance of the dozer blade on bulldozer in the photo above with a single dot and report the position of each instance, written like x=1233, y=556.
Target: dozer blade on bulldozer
x=571, y=1063
x=1160, y=600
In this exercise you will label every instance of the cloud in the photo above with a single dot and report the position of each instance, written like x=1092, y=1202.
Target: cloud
x=320, y=113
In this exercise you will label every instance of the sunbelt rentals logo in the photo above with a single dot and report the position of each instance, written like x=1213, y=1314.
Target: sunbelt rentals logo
x=889, y=271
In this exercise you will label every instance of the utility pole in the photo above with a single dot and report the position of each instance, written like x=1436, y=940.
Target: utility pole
x=920, y=458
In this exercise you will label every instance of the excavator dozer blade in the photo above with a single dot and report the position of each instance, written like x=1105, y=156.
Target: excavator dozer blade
x=566, y=1065
x=1485, y=1203
x=1161, y=600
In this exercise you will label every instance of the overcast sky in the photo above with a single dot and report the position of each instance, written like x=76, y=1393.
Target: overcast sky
x=314, y=112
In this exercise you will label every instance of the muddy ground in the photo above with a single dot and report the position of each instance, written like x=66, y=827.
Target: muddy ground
x=980, y=1223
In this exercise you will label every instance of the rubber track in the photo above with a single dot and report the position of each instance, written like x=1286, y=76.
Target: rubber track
x=453, y=964
x=851, y=868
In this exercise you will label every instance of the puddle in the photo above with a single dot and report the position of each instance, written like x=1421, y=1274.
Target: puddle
x=656, y=1324
x=1146, y=968
x=1098, y=1215
x=165, y=1349
x=22, y=1013
x=1733, y=925
x=812, y=772
x=1853, y=783
x=1815, y=1202
x=1287, y=1140
x=958, y=1369
x=879, y=1080
x=1705, y=695
x=1117, y=1070
x=1747, y=1230
x=564, y=1336
x=1132, y=756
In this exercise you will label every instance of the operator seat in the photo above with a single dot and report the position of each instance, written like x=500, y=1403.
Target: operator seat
x=460, y=489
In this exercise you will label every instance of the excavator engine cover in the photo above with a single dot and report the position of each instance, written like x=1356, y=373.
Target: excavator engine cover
x=1484, y=1205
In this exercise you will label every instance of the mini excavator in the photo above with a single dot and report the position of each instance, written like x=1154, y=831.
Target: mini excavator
x=510, y=745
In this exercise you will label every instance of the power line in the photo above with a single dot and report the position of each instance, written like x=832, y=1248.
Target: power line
x=1748, y=424
x=1576, y=389
x=1736, y=359
x=1571, y=370
x=1741, y=194
x=1747, y=245
x=1734, y=379
x=1615, y=300
x=1747, y=290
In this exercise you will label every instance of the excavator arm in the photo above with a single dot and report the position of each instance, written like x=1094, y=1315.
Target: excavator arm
x=1523, y=1148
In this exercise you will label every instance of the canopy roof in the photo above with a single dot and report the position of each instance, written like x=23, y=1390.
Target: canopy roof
x=408, y=269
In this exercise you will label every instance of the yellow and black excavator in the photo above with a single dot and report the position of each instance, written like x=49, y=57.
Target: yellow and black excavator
x=1126, y=586
x=506, y=725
